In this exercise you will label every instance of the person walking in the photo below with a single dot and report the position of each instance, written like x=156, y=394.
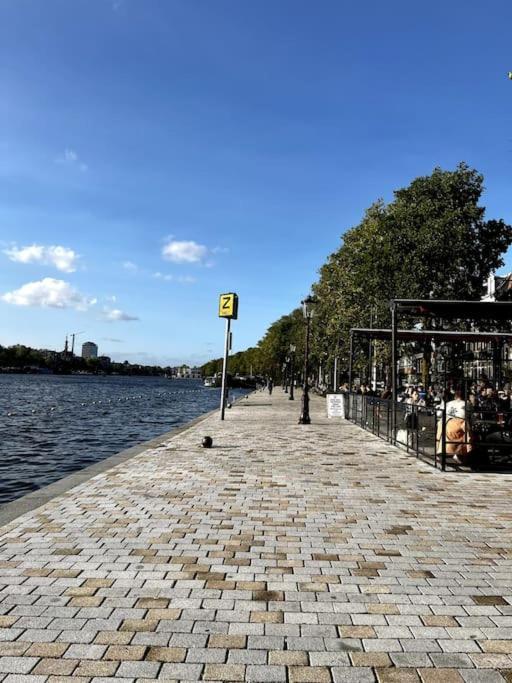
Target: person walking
x=270, y=385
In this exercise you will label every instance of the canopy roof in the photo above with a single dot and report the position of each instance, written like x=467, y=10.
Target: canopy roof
x=455, y=310
x=435, y=335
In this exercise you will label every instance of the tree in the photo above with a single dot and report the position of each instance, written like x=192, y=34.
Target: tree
x=432, y=241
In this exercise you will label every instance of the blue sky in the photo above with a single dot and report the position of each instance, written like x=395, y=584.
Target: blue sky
x=176, y=149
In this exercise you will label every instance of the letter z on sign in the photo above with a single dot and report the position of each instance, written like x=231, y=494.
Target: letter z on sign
x=228, y=305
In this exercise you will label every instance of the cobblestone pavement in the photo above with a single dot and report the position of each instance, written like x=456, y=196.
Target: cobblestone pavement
x=286, y=553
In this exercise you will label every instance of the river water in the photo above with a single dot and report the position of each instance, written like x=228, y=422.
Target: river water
x=53, y=425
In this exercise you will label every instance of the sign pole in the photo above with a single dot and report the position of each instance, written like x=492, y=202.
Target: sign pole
x=225, y=370
x=228, y=309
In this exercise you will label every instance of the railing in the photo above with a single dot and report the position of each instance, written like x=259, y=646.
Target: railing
x=415, y=426
x=483, y=437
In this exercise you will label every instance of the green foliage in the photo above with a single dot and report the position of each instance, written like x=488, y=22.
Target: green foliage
x=431, y=241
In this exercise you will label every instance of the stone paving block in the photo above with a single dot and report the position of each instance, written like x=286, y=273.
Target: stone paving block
x=440, y=676
x=481, y=676
x=485, y=660
x=258, y=657
x=166, y=654
x=329, y=659
x=85, y=651
x=125, y=652
x=90, y=668
x=227, y=641
x=56, y=667
x=266, y=673
x=224, y=672
x=17, y=665
x=113, y=638
x=451, y=660
x=359, y=675
x=138, y=669
x=309, y=674
x=288, y=658
x=413, y=660
x=181, y=672
x=397, y=676
x=373, y=659
x=54, y=650
x=206, y=655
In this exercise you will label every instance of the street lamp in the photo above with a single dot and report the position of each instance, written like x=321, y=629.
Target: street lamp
x=307, y=310
x=292, y=371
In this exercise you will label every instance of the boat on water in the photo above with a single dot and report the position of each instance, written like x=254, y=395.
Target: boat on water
x=234, y=382
x=213, y=382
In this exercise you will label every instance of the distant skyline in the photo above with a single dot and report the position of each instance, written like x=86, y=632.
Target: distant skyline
x=154, y=155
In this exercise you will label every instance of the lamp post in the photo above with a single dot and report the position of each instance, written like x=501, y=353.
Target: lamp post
x=307, y=310
x=286, y=373
x=285, y=376
x=292, y=371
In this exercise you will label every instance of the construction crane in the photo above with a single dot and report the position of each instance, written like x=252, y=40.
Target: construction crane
x=73, y=335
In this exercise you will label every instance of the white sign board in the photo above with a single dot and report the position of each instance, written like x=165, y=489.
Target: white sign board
x=335, y=405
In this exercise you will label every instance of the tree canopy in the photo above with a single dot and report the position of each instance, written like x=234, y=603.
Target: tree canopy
x=432, y=241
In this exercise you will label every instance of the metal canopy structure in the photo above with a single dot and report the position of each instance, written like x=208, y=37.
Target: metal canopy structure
x=454, y=310
x=421, y=335
x=447, y=310
x=498, y=311
x=434, y=335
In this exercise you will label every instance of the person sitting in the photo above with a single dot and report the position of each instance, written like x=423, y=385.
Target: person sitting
x=457, y=430
x=489, y=404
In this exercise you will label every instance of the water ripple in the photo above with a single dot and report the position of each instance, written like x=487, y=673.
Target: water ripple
x=51, y=425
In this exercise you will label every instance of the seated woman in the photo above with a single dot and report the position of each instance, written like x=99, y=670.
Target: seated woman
x=458, y=433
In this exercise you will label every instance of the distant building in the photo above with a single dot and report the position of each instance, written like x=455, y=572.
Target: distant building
x=186, y=372
x=498, y=288
x=89, y=350
x=105, y=362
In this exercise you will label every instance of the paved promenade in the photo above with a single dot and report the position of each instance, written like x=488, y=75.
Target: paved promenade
x=286, y=553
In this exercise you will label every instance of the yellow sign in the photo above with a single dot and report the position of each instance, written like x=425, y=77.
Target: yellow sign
x=228, y=306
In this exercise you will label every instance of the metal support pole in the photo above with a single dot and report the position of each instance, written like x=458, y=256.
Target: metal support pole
x=292, y=376
x=304, y=418
x=335, y=375
x=225, y=370
x=393, y=371
x=443, y=440
x=370, y=349
x=350, y=365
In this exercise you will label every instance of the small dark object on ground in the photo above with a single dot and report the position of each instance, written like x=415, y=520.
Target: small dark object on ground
x=207, y=442
x=228, y=405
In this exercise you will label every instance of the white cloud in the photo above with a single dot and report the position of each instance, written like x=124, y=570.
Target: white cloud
x=169, y=277
x=184, y=251
x=62, y=258
x=131, y=266
x=115, y=315
x=48, y=293
x=70, y=158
